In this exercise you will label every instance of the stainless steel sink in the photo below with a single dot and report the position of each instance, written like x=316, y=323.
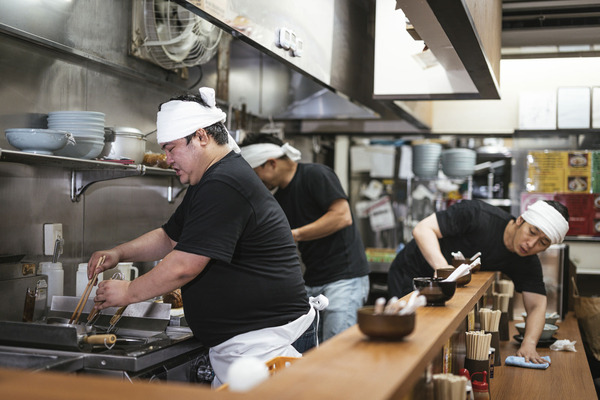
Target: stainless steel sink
x=39, y=360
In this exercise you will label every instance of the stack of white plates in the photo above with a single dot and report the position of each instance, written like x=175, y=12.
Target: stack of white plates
x=426, y=159
x=86, y=126
x=458, y=163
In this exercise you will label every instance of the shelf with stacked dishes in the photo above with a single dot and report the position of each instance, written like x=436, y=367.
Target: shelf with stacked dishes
x=84, y=172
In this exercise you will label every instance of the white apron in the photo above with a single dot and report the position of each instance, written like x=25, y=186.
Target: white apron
x=263, y=344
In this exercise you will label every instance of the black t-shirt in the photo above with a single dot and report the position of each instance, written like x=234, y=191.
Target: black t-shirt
x=253, y=279
x=307, y=197
x=472, y=226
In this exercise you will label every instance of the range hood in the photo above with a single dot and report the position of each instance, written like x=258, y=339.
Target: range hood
x=455, y=53
x=328, y=71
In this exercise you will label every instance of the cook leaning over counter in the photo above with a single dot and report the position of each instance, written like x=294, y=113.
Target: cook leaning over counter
x=507, y=244
x=228, y=246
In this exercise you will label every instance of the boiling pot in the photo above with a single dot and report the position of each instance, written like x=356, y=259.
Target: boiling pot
x=124, y=142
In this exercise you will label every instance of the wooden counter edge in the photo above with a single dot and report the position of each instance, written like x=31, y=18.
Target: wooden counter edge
x=309, y=377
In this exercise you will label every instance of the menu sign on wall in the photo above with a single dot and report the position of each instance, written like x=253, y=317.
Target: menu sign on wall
x=559, y=171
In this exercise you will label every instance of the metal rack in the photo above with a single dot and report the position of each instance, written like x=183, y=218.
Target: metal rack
x=84, y=173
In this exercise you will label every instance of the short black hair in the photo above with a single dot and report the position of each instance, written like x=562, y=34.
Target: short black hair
x=256, y=138
x=217, y=130
x=561, y=208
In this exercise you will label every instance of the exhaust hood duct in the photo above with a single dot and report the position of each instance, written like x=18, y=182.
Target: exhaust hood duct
x=330, y=78
x=464, y=37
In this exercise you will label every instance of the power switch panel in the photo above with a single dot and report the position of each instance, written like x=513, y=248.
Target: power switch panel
x=52, y=232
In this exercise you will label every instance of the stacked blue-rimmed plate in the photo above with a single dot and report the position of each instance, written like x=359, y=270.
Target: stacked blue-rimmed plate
x=87, y=127
x=458, y=163
x=426, y=159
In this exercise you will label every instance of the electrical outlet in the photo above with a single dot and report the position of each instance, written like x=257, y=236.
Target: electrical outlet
x=52, y=232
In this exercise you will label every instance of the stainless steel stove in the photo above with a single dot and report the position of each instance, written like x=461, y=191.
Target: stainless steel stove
x=147, y=346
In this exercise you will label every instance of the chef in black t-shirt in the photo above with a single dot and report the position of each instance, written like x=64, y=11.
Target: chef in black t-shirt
x=507, y=244
x=317, y=208
x=228, y=246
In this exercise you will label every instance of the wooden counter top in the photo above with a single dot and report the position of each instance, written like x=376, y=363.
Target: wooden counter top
x=568, y=377
x=348, y=366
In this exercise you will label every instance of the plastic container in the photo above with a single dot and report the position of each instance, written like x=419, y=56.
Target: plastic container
x=56, y=279
x=82, y=281
x=480, y=388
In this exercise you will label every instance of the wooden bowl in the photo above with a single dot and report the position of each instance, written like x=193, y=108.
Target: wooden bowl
x=436, y=291
x=446, y=272
x=384, y=326
x=458, y=263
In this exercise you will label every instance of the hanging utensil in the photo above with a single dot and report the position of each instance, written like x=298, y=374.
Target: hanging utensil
x=58, y=249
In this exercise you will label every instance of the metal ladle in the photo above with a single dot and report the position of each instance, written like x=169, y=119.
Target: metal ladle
x=58, y=249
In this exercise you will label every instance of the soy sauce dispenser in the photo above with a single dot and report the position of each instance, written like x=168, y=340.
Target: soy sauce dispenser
x=480, y=388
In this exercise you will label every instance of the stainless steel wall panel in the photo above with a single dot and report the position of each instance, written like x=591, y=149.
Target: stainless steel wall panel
x=120, y=210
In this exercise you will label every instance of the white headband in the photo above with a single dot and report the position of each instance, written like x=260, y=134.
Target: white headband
x=178, y=119
x=548, y=220
x=258, y=154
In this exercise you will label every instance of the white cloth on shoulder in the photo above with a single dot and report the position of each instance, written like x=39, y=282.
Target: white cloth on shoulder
x=258, y=154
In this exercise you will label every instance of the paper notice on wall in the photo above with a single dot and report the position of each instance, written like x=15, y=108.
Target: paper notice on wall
x=596, y=108
x=405, y=167
x=537, y=110
x=382, y=161
x=381, y=215
x=574, y=105
x=360, y=159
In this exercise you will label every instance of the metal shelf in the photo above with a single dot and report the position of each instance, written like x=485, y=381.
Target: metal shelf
x=84, y=173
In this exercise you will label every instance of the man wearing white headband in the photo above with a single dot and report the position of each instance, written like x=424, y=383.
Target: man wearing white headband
x=228, y=247
x=506, y=244
x=317, y=208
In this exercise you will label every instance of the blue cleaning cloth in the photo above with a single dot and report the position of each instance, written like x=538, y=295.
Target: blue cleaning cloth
x=520, y=362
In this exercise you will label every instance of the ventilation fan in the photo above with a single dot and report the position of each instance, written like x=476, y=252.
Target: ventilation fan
x=170, y=36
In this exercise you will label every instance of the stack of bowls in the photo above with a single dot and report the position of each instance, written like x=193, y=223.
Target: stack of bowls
x=87, y=128
x=426, y=159
x=458, y=163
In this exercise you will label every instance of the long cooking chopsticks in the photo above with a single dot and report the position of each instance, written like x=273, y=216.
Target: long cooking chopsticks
x=86, y=293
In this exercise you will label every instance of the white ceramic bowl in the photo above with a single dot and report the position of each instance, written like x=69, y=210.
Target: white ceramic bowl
x=86, y=148
x=37, y=141
x=458, y=163
x=547, y=333
x=551, y=318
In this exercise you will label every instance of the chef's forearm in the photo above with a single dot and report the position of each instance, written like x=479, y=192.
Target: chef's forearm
x=535, y=306
x=337, y=217
x=151, y=246
x=427, y=235
x=175, y=270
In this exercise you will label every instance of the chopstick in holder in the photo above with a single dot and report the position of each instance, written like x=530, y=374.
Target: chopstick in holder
x=86, y=294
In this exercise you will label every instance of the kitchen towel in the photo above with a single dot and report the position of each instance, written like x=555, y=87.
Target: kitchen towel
x=520, y=362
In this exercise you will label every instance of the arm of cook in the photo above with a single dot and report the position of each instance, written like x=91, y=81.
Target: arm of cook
x=337, y=217
x=427, y=233
x=175, y=270
x=153, y=245
x=535, y=306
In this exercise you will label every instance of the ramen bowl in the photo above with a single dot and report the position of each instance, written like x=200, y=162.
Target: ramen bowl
x=436, y=291
x=547, y=333
x=384, y=326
